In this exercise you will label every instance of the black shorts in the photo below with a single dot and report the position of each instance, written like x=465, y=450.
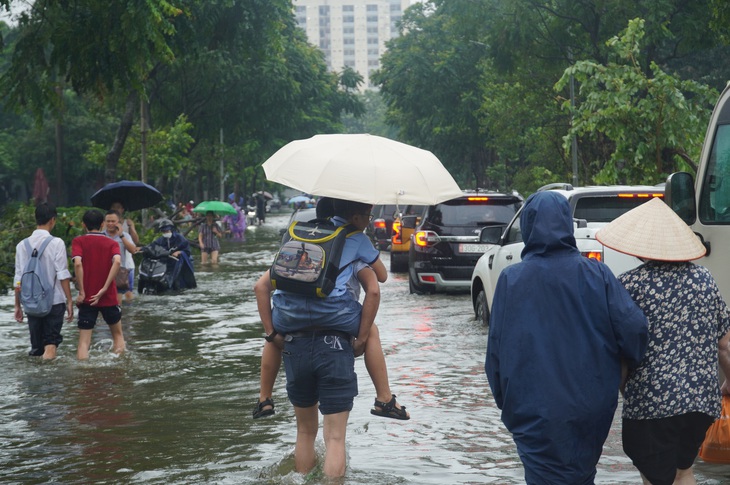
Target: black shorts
x=660, y=447
x=46, y=330
x=88, y=315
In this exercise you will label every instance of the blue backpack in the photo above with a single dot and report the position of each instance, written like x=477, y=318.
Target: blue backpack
x=36, y=288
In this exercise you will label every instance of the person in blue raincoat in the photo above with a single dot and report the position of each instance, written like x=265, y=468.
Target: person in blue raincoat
x=180, y=273
x=560, y=329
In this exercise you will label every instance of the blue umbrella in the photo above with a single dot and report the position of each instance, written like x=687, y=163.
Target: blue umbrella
x=298, y=199
x=132, y=194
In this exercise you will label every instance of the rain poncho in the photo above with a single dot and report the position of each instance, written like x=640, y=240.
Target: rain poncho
x=560, y=325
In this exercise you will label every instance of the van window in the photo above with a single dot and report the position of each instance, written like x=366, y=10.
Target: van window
x=714, y=205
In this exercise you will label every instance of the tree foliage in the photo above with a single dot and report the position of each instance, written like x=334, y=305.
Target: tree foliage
x=655, y=121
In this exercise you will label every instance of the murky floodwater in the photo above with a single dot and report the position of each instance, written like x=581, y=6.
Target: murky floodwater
x=176, y=407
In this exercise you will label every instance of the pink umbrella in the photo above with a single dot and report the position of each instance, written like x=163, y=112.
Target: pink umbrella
x=40, y=187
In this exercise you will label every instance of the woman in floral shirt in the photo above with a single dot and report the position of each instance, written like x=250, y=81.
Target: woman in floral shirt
x=673, y=396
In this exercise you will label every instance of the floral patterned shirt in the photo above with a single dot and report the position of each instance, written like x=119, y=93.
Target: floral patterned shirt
x=687, y=316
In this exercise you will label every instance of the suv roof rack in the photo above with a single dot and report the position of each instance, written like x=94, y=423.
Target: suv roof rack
x=554, y=186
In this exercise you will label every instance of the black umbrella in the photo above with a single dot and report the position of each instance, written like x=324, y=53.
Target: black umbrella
x=132, y=194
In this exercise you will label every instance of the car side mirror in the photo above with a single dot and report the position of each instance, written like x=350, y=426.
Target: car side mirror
x=491, y=234
x=409, y=222
x=679, y=194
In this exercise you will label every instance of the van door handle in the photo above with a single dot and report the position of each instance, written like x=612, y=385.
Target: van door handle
x=509, y=257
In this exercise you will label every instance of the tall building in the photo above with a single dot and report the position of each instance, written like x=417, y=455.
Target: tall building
x=351, y=33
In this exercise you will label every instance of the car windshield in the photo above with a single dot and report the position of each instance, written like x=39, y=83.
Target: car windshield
x=605, y=208
x=463, y=212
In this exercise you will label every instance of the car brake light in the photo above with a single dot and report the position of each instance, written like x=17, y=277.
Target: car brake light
x=477, y=199
x=642, y=196
x=428, y=279
x=397, y=239
x=597, y=255
x=379, y=223
x=426, y=238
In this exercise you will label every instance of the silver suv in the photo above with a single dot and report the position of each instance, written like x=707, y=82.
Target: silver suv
x=593, y=207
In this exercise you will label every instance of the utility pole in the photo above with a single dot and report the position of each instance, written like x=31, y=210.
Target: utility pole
x=143, y=138
x=223, y=180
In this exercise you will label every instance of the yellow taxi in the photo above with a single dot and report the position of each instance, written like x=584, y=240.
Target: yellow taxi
x=404, y=226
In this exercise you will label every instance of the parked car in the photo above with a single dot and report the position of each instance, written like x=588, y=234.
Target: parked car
x=400, y=241
x=380, y=228
x=445, y=245
x=593, y=208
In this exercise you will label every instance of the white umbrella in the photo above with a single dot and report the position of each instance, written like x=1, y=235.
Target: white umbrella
x=363, y=168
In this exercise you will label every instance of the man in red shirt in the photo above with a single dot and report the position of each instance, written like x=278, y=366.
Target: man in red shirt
x=96, y=262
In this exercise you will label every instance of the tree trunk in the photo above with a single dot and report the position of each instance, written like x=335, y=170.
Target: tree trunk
x=125, y=126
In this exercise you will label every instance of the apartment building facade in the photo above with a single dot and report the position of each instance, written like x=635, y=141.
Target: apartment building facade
x=350, y=33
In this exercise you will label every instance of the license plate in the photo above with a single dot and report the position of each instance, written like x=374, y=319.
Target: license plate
x=473, y=248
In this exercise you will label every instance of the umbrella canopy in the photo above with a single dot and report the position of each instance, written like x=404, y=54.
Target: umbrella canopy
x=132, y=194
x=363, y=168
x=216, y=206
x=265, y=195
x=297, y=199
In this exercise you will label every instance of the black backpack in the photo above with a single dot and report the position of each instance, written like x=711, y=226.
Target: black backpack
x=308, y=260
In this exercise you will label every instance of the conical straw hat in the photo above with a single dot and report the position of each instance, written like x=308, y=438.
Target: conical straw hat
x=652, y=231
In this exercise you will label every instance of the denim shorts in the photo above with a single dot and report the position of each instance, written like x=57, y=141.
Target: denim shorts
x=292, y=312
x=320, y=368
x=88, y=315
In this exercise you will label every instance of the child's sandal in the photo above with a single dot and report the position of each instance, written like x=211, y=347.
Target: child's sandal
x=388, y=410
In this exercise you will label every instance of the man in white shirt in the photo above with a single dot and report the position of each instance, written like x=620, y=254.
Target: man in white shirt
x=45, y=332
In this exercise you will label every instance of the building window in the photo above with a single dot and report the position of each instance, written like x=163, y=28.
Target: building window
x=348, y=41
x=349, y=63
x=372, y=18
x=349, y=52
x=324, y=10
x=373, y=30
x=372, y=8
x=373, y=52
x=348, y=8
x=348, y=19
x=373, y=63
x=372, y=41
x=348, y=30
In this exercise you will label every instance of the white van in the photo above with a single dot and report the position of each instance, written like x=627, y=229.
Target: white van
x=705, y=205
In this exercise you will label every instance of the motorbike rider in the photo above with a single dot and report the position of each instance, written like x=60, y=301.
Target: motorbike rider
x=179, y=247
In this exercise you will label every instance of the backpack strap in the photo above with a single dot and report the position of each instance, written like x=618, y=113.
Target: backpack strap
x=43, y=246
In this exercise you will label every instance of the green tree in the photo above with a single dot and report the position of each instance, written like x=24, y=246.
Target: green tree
x=654, y=121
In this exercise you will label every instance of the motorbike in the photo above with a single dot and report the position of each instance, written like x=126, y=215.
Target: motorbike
x=161, y=272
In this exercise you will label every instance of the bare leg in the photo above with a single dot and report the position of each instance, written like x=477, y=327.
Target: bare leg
x=120, y=297
x=203, y=257
x=214, y=257
x=270, y=364
x=305, y=457
x=376, y=367
x=129, y=296
x=118, y=345
x=82, y=352
x=685, y=477
x=49, y=352
x=335, y=433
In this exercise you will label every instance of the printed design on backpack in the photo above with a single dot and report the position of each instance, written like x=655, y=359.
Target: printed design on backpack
x=308, y=260
x=36, y=288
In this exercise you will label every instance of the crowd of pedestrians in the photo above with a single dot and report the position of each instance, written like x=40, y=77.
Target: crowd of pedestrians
x=566, y=336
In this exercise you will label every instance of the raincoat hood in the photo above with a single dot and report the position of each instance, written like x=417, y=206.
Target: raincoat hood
x=547, y=225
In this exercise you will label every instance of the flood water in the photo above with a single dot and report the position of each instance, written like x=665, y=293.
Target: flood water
x=176, y=408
